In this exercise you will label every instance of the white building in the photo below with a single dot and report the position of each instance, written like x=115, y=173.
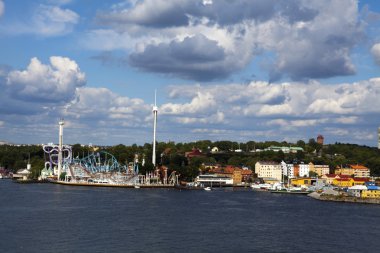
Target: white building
x=269, y=170
x=304, y=170
x=287, y=169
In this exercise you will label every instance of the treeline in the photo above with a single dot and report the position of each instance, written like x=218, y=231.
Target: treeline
x=172, y=155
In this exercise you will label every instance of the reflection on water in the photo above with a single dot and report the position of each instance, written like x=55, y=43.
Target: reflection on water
x=55, y=218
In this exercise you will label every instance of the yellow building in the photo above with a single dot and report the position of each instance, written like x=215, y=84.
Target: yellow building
x=237, y=177
x=319, y=169
x=302, y=181
x=343, y=182
x=344, y=171
x=371, y=194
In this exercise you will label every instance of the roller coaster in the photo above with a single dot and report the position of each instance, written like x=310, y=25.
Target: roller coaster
x=102, y=168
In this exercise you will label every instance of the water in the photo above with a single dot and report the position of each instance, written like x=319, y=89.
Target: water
x=56, y=218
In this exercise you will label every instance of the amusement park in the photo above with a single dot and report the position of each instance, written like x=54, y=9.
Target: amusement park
x=100, y=168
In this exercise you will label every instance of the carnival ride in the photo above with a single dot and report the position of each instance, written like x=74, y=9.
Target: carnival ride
x=102, y=168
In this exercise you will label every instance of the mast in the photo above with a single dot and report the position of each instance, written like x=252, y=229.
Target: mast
x=155, y=111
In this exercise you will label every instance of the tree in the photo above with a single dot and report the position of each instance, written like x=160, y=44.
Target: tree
x=301, y=144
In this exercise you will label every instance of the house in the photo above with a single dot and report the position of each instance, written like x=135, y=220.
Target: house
x=194, y=153
x=22, y=174
x=215, y=150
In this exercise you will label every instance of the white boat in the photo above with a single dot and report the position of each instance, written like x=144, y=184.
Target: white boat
x=212, y=179
x=261, y=187
x=137, y=186
x=207, y=188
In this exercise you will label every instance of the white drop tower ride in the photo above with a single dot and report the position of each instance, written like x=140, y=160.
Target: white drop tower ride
x=60, y=147
x=155, y=111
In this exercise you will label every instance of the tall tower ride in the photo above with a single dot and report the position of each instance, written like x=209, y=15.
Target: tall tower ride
x=155, y=111
x=60, y=147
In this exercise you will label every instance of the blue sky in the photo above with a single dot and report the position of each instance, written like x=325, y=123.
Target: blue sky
x=224, y=70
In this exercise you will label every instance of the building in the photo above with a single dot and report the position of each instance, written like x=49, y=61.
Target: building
x=353, y=169
x=356, y=190
x=304, y=170
x=303, y=181
x=268, y=170
x=286, y=150
x=369, y=190
x=360, y=180
x=319, y=169
x=343, y=182
x=237, y=174
x=328, y=178
x=215, y=150
x=194, y=153
x=320, y=139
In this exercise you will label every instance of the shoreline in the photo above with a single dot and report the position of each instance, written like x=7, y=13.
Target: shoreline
x=341, y=198
x=112, y=185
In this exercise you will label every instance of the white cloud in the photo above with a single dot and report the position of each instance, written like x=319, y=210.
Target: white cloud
x=46, y=21
x=2, y=123
x=97, y=105
x=53, y=21
x=47, y=83
x=308, y=39
x=201, y=103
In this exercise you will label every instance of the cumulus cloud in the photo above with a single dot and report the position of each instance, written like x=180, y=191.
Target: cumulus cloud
x=292, y=109
x=47, y=83
x=193, y=58
x=43, y=93
x=208, y=40
x=101, y=104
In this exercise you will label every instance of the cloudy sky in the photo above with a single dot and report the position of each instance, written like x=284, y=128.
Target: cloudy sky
x=224, y=70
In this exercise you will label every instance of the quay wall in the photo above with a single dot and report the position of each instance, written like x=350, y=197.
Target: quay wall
x=341, y=198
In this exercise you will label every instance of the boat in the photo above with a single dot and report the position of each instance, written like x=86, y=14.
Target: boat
x=292, y=190
x=213, y=180
x=137, y=186
x=207, y=188
x=261, y=187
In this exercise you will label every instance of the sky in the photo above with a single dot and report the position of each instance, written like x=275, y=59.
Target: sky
x=261, y=70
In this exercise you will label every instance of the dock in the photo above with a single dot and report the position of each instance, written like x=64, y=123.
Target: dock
x=166, y=186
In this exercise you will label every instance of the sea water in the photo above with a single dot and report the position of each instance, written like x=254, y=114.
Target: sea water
x=58, y=218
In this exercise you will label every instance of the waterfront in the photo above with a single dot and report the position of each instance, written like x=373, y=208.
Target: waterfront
x=57, y=218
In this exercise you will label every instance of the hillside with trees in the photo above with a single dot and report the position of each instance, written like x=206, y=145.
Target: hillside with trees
x=172, y=155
